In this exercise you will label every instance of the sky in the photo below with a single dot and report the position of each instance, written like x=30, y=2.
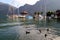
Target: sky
x=18, y=3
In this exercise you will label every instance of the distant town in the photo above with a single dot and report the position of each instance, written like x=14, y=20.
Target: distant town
x=37, y=15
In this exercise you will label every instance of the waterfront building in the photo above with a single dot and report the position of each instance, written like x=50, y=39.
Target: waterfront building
x=37, y=16
x=58, y=13
x=13, y=17
x=23, y=15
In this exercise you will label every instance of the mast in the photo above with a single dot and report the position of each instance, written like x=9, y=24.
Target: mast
x=18, y=13
x=45, y=12
x=10, y=12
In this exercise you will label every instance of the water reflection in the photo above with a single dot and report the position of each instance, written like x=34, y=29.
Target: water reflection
x=18, y=31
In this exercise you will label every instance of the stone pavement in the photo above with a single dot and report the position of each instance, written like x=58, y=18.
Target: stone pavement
x=35, y=34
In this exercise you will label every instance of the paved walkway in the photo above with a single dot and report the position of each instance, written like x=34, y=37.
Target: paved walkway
x=35, y=34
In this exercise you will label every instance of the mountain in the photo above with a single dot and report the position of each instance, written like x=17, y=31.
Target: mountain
x=39, y=6
x=51, y=5
x=4, y=9
x=30, y=8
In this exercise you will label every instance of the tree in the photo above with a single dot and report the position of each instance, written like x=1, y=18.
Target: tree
x=49, y=13
x=58, y=13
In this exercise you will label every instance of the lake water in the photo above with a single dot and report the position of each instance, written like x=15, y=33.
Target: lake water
x=12, y=30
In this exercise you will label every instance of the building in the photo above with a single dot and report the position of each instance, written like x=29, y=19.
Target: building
x=57, y=13
x=13, y=17
x=37, y=16
x=23, y=15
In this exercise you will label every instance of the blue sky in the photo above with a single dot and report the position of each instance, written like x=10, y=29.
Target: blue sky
x=18, y=3
x=6, y=1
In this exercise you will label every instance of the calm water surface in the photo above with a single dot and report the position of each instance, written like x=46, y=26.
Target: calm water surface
x=12, y=30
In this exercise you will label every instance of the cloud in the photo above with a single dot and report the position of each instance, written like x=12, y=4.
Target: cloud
x=18, y=3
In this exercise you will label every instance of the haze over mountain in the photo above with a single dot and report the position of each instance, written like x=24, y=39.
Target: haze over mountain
x=51, y=5
x=39, y=6
x=4, y=9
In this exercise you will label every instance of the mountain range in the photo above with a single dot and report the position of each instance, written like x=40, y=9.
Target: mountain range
x=4, y=9
x=50, y=5
x=37, y=7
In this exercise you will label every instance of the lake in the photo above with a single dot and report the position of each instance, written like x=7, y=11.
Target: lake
x=12, y=30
